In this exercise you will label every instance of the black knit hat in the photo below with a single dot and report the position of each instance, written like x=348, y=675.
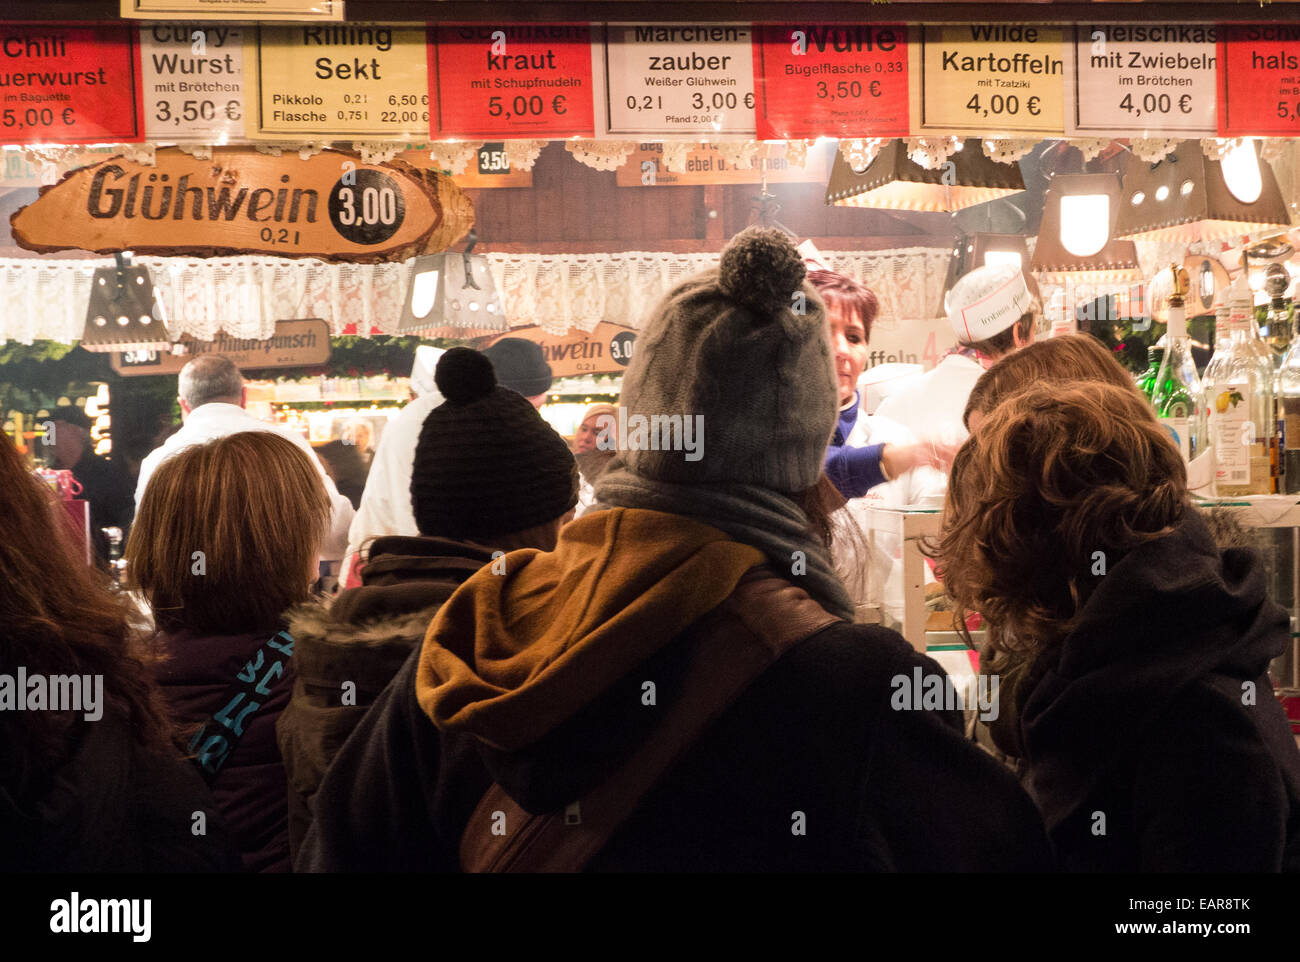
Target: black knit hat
x=520, y=365
x=486, y=463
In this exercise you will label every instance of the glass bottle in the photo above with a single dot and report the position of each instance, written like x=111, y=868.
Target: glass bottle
x=1146, y=382
x=1177, y=395
x=1238, y=394
x=1288, y=378
x=1242, y=306
x=1278, y=320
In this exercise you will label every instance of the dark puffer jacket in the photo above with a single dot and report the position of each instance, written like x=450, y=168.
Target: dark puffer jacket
x=111, y=806
x=348, y=651
x=250, y=790
x=1150, y=735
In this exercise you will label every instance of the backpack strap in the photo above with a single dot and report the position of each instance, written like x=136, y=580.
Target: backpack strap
x=217, y=738
x=762, y=619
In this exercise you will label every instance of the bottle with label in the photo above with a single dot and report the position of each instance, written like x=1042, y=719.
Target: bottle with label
x=1146, y=382
x=1288, y=379
x=1242, y=305
x=1176, y=394
x=1277, y=323
x=1238, y=393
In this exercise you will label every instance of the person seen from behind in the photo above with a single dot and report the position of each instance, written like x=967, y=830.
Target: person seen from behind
x=489, y=476
x=519, y=366
x=1148, y=731
x=212, y=398
x=95, y=784
x=224, y=543
x=679, y=675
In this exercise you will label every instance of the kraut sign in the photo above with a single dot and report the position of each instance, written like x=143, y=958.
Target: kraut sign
x=330, y=206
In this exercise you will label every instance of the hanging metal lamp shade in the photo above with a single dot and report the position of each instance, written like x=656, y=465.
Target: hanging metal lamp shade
x=452, y=295
x=1076, y=238
x=124, y=312
x=893, y=181
x=1188, y=197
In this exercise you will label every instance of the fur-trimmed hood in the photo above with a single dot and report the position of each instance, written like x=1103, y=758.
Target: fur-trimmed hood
x=314, y=620
x=365, y=633
x=348, y=650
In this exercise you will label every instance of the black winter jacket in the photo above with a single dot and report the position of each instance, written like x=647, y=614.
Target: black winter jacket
x=1151, y=734
x=111, y=806
x=881, y=790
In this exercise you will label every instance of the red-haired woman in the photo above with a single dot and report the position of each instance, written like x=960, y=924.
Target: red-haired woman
x=872, y=461
x=89, y=778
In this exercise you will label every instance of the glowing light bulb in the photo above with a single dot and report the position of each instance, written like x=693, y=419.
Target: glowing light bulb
x=1241, y=172
x=1085, y=223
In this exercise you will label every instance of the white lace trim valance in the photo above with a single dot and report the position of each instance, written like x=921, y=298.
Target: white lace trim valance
x=46, y=299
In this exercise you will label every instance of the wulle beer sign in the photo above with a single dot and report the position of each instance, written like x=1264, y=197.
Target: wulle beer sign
x=330, y=206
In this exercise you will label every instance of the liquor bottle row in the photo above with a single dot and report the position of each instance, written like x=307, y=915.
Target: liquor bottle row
x=1246, y=406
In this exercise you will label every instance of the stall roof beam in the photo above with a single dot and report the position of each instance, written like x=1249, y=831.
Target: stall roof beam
x=756, y=11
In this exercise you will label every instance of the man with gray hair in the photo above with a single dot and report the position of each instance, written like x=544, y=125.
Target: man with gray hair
x=212, y=397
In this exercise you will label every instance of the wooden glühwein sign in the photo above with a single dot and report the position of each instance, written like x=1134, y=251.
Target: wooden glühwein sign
x=606, y=350
x=330, y=206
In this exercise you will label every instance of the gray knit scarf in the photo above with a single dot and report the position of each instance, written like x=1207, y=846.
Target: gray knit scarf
x=759, y=517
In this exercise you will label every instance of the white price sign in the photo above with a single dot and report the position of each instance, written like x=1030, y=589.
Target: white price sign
x=193, y=82
x=1132, y=79
x=679, y=79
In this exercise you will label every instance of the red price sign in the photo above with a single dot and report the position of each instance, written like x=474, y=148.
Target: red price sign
x=1259, y=80
x=520, y=80
x=69, y=84
x=823, y=80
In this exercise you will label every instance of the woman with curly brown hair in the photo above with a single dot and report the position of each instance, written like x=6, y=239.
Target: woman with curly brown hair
x=1143, y=711
x=97, y=785
x=1071, y=357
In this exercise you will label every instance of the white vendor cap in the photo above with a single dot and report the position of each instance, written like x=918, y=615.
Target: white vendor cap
x=987, y=301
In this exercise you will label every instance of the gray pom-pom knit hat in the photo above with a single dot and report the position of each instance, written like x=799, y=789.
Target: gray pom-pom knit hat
x=746, y=347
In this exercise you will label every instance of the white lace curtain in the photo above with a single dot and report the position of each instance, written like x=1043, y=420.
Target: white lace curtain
x=46, y=299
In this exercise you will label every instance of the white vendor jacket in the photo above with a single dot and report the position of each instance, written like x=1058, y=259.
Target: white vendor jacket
x=207, y=422
x=386, y=503
x=873, y=575
x=931, y=404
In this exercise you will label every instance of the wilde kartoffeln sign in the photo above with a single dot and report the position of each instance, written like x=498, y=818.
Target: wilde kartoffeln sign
x=330, y=206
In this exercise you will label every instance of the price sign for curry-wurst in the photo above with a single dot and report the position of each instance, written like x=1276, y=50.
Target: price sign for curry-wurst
x=679, y=79
x=990, y=79
x=520, y=80
x=193, y=82
x=823, y=80
x=1133, y=79
x=69, y=85
x=364, y=80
